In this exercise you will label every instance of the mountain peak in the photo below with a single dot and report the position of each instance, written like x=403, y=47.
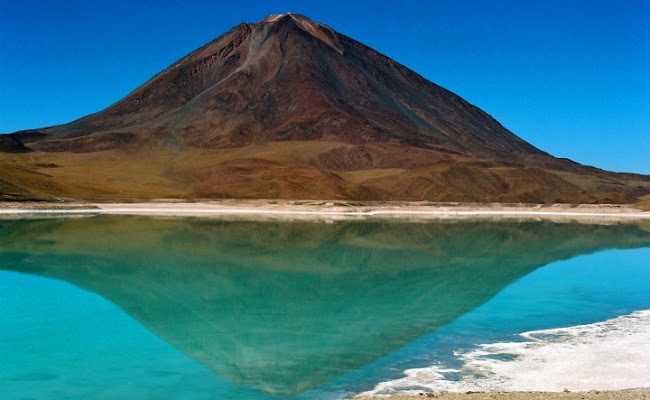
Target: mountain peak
x=320, y=31
x=272, y=18
x=312, y=114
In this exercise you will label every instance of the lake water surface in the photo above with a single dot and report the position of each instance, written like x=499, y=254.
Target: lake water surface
x=112, y=307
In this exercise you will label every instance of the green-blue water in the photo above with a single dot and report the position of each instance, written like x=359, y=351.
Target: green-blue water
x=136, y=308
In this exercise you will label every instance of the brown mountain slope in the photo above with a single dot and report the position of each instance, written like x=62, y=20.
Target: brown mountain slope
x=290, y=108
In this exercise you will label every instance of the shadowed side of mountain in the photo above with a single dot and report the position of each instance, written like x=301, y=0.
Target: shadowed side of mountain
x=11, y=144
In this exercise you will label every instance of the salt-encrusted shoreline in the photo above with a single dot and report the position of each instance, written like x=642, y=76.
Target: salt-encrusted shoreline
x=606, y=355
x=627, y=394
x=308, y=209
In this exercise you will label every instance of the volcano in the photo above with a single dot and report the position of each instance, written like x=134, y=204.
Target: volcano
x=290, y=108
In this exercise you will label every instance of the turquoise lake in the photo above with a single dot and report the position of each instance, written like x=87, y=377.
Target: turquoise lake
x=116, y=307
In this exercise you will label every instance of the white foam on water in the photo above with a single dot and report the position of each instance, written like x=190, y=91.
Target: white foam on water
x=608, y=355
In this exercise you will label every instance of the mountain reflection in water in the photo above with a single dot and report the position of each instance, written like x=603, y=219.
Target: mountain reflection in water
x=287, y=306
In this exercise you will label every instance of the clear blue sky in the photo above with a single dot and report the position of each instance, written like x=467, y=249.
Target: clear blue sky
x=571, y=77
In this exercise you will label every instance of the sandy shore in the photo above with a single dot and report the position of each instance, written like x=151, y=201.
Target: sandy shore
x=628, y=394
x=309, y=209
